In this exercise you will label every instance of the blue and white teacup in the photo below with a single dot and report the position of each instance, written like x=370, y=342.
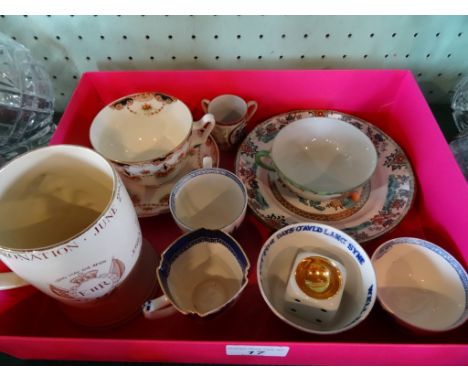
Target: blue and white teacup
x=212, y=198
x=201, y=273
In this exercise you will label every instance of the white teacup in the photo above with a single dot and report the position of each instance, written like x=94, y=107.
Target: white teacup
x=232, y=114
x=212, y=198
x=421, y=285
x=147, y=136
x=200, y=273
x=64, y=209
x=321, y=158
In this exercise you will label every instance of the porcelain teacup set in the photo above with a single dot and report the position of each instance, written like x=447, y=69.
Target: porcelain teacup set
x=313, y=276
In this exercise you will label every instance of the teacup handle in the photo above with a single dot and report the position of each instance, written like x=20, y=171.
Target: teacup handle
x=10, y=280
x=251, y=109
x=201, y=130
x=159, y=307
x=259, y=160
x=204, y=104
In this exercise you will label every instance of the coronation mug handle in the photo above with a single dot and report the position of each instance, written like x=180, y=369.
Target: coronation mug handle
x=10, y=280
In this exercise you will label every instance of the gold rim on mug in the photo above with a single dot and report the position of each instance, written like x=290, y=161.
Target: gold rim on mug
x=104, y=211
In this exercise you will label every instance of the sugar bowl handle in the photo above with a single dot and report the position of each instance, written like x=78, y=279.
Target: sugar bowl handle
x=205, y=103
x=259, y=160
x=201, y=130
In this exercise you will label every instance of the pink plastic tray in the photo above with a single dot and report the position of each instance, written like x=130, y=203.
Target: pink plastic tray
x=32, y=326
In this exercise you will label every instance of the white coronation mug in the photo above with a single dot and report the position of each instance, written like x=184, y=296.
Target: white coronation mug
x=68, y=226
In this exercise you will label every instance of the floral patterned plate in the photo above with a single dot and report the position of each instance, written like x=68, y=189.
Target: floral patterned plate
x=383, y=202
x=156, y=199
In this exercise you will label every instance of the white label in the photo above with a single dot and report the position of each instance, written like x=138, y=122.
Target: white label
x=263, y=351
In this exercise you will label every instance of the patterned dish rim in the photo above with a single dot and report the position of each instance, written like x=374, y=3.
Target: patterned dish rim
x=412, y=181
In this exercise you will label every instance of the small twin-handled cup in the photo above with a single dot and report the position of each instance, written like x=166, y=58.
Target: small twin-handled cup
x=320, y=158
x=201, y=273
x=147, y=136
x=212, y=198
x=232, y=114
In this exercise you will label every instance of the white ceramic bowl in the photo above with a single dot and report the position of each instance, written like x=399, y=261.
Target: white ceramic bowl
x=275, y=265
x=421, y=285
x=322, y=157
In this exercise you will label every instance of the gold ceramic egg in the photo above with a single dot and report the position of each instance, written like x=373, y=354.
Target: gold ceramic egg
x=317, y=277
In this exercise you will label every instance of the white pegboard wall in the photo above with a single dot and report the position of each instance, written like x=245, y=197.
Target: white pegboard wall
x=435, y=48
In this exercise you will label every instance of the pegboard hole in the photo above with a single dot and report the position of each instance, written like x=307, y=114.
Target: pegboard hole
x=419, y=74
x=36, y=38
x=194, y=37
x=428, y=55
x=293, y=310
x=62, y=94
x=13, y=38
x=260, y=36
x=217, y=58
x=238, y=57
x=365, y=56
x=238, y=36
x=350, y=35
x=431, y=91
x=327, y=35
x=449, y=55
x=306, y=35
x=88, y=58
x=130, y=58
x=45, y=58
x=344, y=56
x=67, y=58
x=173, y=57
x=324, y=310
x=280, y=57
x=75, y=77
x=323, y=56
x=415, y=35
x=54, y=77
x=460, y=34
x=394, y=34
x=386, y=56
x=147, y=37
x=437, y=34
x=371, y=35
x=318, y=320
x=259, y=57
x=57, y=37
x=195, y=57
x=80, y=37
x=302, y=57
x=459, y=74
x=109, y=58
x=407, y=55
x=439, y=74
x=297, y=300
x=102, y=37
x=283, y=36
x=124, y=37
x=169, y=37
x=215, y=36
x=152, y=58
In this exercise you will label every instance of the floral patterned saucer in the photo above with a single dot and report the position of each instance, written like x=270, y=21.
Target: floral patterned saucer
x=382, y=202
x=155, y=199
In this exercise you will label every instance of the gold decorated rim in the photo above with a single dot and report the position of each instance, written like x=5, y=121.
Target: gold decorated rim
x=115, y=185
x=318, y=277
x=140, y=97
